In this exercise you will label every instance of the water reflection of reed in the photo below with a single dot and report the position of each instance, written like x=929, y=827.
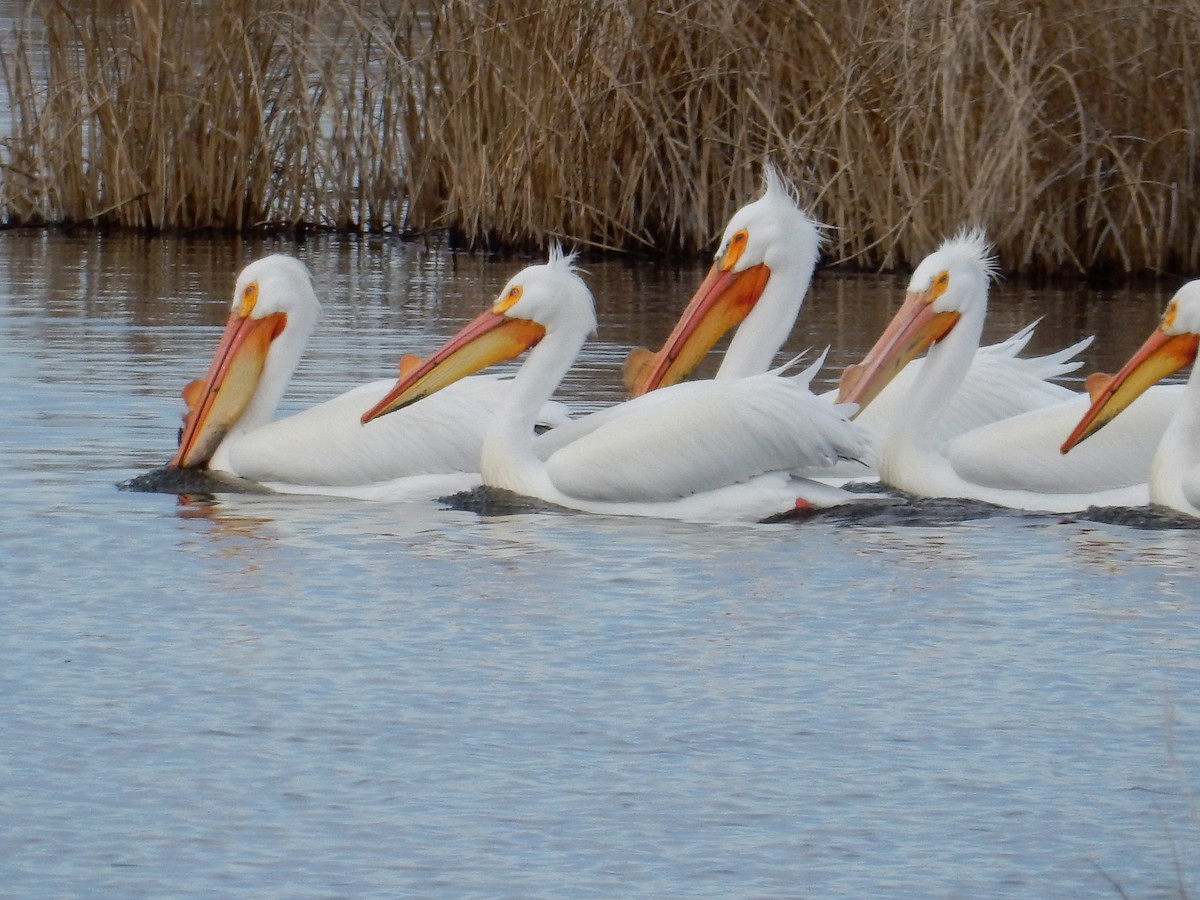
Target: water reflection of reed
x=624, y=125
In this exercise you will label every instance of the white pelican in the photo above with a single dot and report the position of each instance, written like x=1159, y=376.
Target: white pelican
x=702, y=451
x=1013, y=462
x=758, y=282
x=1174, y=473
x=433, y=447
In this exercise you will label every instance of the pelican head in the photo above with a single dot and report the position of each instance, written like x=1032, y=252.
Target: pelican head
x=538, y=300
x=274, y=311
x=770, y=236
x=1170, y=347
x=949, y=285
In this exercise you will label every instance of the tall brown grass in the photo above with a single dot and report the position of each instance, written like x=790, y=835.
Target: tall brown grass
x=1068, y=129
x=222, y=114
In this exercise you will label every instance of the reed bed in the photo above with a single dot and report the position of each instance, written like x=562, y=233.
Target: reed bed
x=1068, y=129
x=222, y=114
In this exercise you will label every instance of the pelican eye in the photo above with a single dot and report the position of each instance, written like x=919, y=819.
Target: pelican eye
x=248, y=300
x=735, y=249
x=939, y=285
x=1168, y=319
x=508, y=299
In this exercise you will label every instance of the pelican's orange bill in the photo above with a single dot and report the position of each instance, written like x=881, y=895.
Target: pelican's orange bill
x=915, y=327
x=220, y=399
x=489, y=338
x=722, y=301
x=1161, y=355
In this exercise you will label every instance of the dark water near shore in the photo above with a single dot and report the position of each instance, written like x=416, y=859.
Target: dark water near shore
x=288, y=696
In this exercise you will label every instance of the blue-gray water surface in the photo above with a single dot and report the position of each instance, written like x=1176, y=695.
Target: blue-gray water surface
x=283, y=696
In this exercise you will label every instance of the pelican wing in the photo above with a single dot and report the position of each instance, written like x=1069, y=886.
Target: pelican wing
x=699, y=436
x=1022, y=453
x=327, y=445
x=550, y=442
x=999, y=385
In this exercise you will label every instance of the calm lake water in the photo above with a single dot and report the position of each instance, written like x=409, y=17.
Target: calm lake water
x=281, y=696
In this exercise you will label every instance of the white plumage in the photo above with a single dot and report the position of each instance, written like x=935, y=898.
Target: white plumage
x=758, y=281
x=1013, y=461
x=765, y=423
x=325, y=449
x=702, y=451
x=1174, y=472
x=999, y=384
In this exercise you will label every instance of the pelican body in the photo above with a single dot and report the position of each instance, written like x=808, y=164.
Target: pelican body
x=1174, y=472
x=686, y=452
x=1013, y=461
x=230, y=425
x=757, y=284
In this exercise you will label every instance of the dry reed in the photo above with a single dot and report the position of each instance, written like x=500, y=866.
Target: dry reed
x=1068, y=130
x=225, y=114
